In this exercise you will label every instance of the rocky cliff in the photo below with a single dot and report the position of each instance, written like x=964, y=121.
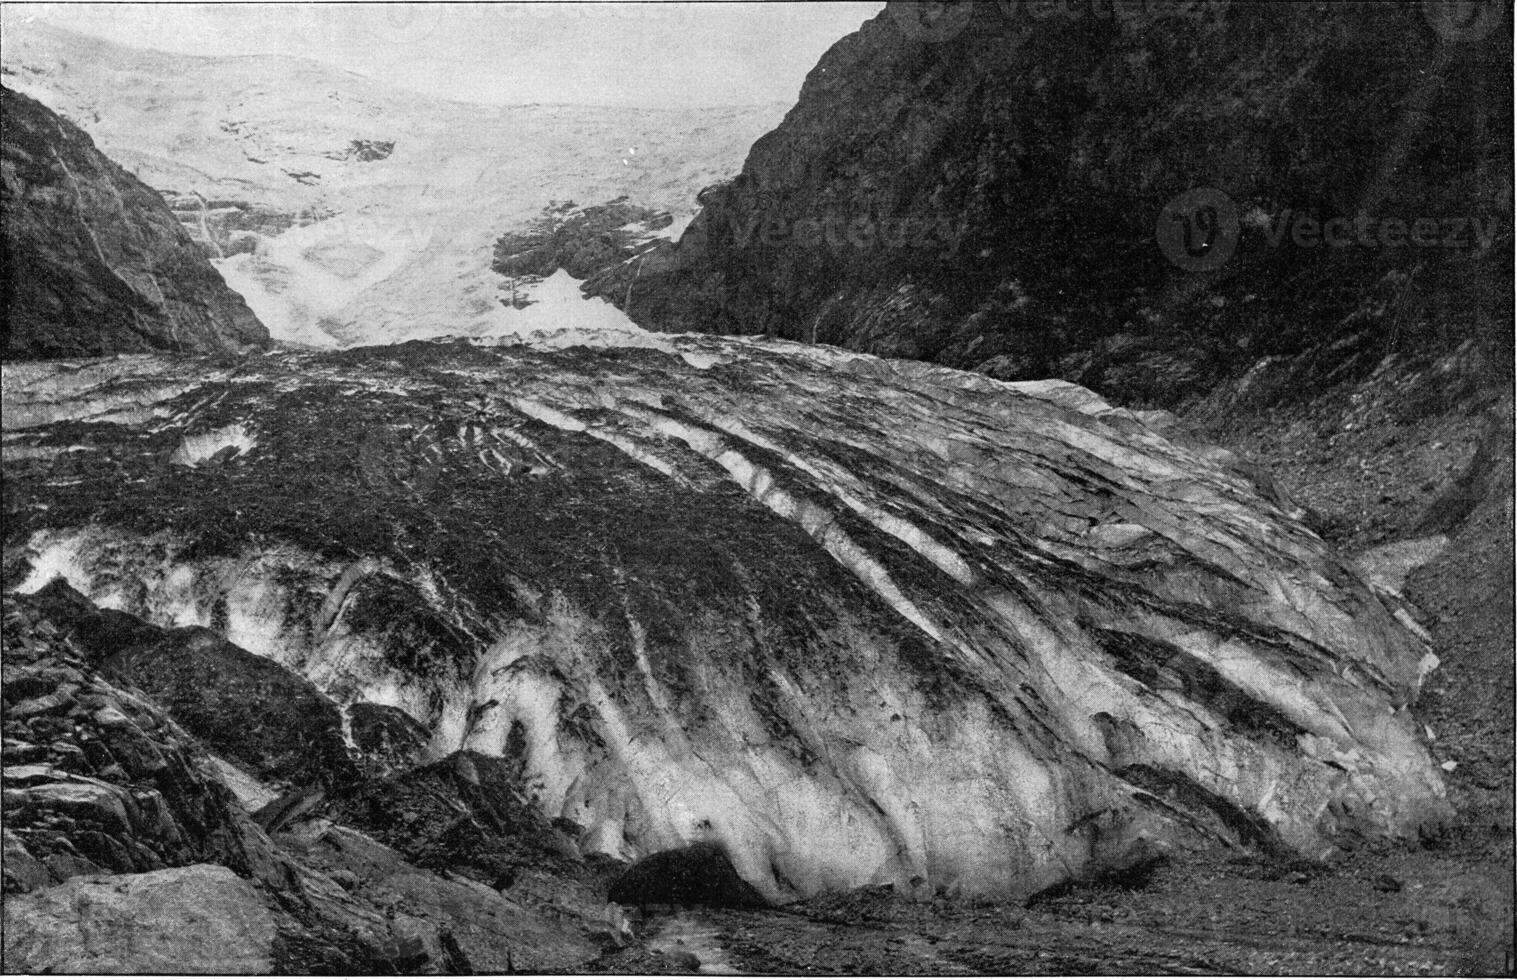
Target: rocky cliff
x=135, y=840
x=95, y=262
x=1144, y=198
x=854, y=621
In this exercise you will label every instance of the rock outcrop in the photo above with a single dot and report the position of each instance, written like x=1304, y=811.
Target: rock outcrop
x=247, y=709
x=97, y=779
x=365, y=151
x=95, y=263
x=128, y=848
x=701, y=874
x=857, y=621
x=995, y=188
x=580, y=240
x=197, y=919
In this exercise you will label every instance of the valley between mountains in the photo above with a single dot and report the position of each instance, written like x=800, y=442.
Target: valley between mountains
x=435, y=543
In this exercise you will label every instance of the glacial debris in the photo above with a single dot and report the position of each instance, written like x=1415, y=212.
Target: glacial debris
x=857, y=621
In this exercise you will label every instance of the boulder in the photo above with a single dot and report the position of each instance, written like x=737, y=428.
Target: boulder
x=256, y=713
x=201, y=918
x=124, y=789
x=386, y=739
x=701, y=874
x=115, y=785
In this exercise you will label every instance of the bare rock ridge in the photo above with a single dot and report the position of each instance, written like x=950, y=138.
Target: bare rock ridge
x=852, y=621
x=95, y=262
x=986, y=192
x=134, y=838
x=580, y=240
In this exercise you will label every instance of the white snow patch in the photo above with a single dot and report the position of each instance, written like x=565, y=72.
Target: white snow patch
x=311, y=272
x=250, y=792
x=561, y=316
x=672, y=231
x=817, y=521
x=560, y=420
x=677, y=228
x=908, y=533
x=196, y=449
x=57, y=556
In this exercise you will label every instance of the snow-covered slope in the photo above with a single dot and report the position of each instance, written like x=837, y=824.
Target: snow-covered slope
x=347, y=211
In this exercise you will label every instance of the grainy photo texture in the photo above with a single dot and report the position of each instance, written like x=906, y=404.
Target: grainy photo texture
x=912, y=488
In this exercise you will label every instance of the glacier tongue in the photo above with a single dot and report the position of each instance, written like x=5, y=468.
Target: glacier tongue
x=859, y=621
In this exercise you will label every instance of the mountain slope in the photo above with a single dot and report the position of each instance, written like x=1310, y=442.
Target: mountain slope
x=997, y=191
x=94, y=261
x=348, y=211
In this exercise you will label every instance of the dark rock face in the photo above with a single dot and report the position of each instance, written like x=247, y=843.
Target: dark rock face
x=367, y=151
x=387, y=739
x=125, y=852
x=245, y=707
x=97, y=779
x=254, y=712
x=466, y=810
x=987, y=195
x=701, y=874
x=580, y=240
x=95, y=263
